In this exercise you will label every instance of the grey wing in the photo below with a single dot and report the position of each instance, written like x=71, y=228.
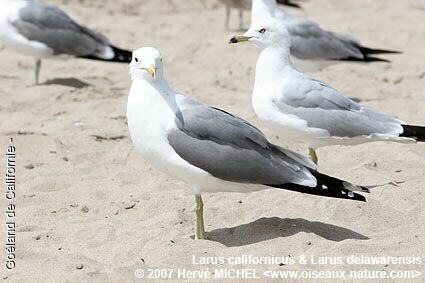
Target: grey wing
x=325, y=108
x=231, y=149
x=49, y=25
x=310, y=41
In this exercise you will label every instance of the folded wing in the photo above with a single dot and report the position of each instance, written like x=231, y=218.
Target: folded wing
x=231, y=149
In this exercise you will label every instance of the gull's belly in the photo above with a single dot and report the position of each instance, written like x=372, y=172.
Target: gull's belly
x=21, y=44
x=286, y=125
x=12, y=39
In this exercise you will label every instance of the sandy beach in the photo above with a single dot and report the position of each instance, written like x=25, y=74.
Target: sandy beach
x=90, y=209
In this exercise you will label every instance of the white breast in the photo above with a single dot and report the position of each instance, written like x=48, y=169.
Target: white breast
x=149, y=120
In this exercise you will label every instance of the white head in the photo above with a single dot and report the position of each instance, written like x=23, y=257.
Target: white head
x=266, y=33
x=146, y=64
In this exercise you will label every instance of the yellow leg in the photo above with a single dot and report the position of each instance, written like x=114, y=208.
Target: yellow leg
x=313, y=155
x=199, y=226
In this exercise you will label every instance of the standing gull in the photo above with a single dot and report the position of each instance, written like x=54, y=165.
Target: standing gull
x=43, y=31
x=246, y=5
x=311, y=42
x=210, y=149
x=307, y=110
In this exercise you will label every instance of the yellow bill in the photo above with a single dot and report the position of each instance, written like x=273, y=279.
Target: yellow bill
x=239, y=38
x=151, y=70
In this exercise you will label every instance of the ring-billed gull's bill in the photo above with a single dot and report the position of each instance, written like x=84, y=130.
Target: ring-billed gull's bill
x=246, y=5
x=306, y=110
x=311, y=42
x=43, y=31
x=210, y=149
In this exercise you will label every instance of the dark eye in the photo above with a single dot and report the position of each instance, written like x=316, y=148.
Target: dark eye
x=161, y=59
x=137, y=60
x=262, y=31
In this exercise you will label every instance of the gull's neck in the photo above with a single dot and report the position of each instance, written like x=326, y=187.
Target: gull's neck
x=156, y=93
x=273, y=62
x=157, y=88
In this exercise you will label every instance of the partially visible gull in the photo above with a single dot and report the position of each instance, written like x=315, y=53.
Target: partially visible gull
x=43, y=31
x=210, y=149
x=246, y=5
x=306, y=110
x=311, y=42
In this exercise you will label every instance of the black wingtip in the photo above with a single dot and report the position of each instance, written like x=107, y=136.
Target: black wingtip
x=372, y=51
x=367, y=52
x=366, y=59
x=414, y=132
x=319, y=191
x=120, y=56
x=289, y=3
x=328, y=186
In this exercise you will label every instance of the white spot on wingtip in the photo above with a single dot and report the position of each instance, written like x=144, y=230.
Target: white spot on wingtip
x=351, y=194
x=324, y=187
x=343, y=192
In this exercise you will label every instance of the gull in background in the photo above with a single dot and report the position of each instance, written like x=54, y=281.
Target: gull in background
x=43, y=31
x=311, y=42
x=246, y=5
x=210, y=149
x=306, y=110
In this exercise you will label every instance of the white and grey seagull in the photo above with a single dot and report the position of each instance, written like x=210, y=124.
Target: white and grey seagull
x=246, y=5
x=210, y=149
x=44, y=31
x=306, y=110
x=311, y=42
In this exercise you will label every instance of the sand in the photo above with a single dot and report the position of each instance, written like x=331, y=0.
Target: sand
x=90, y=209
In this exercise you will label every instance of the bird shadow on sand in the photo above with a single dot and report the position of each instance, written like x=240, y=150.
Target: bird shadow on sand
x=69, y=82
x=265, y=229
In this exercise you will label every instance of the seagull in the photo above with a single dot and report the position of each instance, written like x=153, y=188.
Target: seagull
x=311, y=42
x=43, y=31
x=211, y=149
x=307, y=110
x=246, y=5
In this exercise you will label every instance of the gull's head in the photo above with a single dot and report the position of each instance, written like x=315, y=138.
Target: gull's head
x=146, y=64
x=265, y=33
